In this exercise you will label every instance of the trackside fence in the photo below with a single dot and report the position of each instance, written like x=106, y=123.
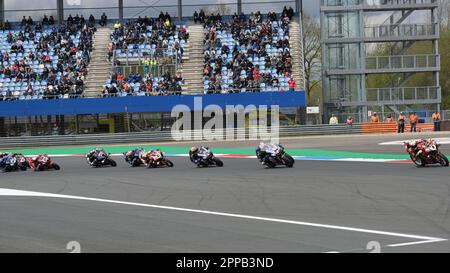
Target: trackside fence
x=166, y=136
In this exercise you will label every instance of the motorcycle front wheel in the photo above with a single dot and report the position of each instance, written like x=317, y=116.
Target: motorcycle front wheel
x=288, y=161
x=112, y=163
x=218, y=162
x=418, y=161
x=56, y=167
x=169, y=163
x=443, y=160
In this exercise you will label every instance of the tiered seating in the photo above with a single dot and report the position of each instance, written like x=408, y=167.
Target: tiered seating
x=149, y=37
x=135, y=85
x=35, y=66
x=247, y=55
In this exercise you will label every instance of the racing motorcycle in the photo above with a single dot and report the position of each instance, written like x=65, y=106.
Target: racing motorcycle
x=134, y=158
x=428, y=154
x=102, y=159
x=207, y=158
x=22, y=162
x=276, y=156
x=14, y=162
x=42, y=163
x=157, y=159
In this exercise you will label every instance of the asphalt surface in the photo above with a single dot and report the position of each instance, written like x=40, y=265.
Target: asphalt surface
x=377, y=196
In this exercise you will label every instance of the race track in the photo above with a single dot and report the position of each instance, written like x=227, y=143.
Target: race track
x=329, y=206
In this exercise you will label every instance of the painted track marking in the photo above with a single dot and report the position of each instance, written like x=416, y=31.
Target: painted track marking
x=420, y=239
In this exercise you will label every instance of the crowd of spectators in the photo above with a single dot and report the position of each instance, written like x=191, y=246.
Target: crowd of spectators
x=45, y=60
x=148, y=36
x=247, y=53
x=135, y=85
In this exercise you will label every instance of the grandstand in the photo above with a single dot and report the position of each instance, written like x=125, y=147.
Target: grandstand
x=45, y=62
x=48, y=59
x=239, y=54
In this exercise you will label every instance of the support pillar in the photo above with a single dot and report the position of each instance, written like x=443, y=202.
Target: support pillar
x=60, y=11
x=120, y=9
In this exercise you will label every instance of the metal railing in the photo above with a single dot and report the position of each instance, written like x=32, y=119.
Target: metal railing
x=402, y=94
x=163, y=136
x=399, y=31
x=138, y=55
x=377, y=3
x=129, y=10
x=402, y=62
x=40, y=97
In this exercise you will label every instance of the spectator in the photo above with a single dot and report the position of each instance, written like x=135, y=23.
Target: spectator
x=201, y=16
x=45, y=20
x=334, y=120
x=349, y=121
x=92, y=20
x=437, y=121
x=401, y=123
x=413, y=120
x=258, y=54
x=103, y=20
x=292, y=84
x=375, y=118
x=196, y=18
x=389, y=118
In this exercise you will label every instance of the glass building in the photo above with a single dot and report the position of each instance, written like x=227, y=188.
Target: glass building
x=372, y=64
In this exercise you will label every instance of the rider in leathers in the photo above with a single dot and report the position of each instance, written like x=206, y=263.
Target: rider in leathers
x=93, y=156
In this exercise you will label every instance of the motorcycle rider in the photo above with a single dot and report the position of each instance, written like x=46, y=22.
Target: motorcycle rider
x=3, y=158
x=261, y=153
x=417, y=145
x=136, y=153
x=193, y=155
x=146, y=155
x=93, y=155
x=35, y=160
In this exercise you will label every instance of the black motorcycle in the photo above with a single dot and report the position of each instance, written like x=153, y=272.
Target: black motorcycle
x=207, y=158
x=100, y=159
x=276, y=156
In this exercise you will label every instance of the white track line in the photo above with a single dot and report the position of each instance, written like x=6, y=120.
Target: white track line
x=442, y=140
x=422, y=239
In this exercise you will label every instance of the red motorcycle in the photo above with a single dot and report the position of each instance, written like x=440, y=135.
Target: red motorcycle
x=157, y=159
x=426, y=153
x=42, y=163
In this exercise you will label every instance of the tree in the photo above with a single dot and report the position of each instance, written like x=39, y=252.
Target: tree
x=444, y=44
x=313, y=54
x=443, y=13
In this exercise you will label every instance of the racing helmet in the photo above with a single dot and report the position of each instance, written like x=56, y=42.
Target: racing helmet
x=194, y=149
